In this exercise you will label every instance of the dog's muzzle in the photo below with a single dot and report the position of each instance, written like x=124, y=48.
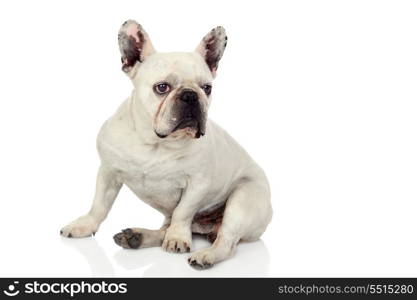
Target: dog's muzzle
x=191, y=115
x=188, y=113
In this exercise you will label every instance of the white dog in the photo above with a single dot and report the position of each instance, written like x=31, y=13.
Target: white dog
x=162, y=146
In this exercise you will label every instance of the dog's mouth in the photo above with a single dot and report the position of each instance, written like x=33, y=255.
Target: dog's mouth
x=190, y=124
x=187, y=122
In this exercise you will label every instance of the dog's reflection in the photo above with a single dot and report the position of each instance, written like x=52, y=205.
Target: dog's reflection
x=250, y=260
x=96, y=257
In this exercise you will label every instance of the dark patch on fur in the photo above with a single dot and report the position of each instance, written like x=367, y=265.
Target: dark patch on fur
x=188, y=116
x=210, y=216
x=128, y=239
x=213, y=53
x=212, y=59
x=212, y=236
x=199, y=266
x=131, y=49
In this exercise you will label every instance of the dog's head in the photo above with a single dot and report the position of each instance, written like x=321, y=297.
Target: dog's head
x=174, y=88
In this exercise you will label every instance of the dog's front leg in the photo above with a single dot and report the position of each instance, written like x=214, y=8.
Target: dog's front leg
x=178, y=237
x=107, y=188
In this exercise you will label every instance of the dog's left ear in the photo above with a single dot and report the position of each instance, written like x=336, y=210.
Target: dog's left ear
x=135, y=46
x=212, y=47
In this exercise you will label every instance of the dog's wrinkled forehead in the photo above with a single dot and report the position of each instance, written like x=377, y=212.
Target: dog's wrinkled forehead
x=181, y=67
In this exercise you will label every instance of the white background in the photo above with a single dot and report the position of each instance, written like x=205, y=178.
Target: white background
x=321, y=93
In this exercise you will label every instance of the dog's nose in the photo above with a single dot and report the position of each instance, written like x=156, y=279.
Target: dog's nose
x=189, y=97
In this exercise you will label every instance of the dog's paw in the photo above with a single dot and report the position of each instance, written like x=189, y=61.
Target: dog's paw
x=176, y=245
x=202, y=259
x=177, y=240
x=82, y=227
x=128, y=239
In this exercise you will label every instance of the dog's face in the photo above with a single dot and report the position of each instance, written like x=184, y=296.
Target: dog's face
x=174, y=88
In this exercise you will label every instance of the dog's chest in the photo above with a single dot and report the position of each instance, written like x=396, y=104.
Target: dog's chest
x=161, y=191
x=156, y=176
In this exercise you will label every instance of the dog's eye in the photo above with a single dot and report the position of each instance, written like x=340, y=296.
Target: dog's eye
x=162, y=88
x=207, y=89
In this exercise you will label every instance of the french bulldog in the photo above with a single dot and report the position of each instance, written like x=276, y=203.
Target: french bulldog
x=161, y=145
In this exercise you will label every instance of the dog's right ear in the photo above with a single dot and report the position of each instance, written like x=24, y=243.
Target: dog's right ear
x=135, y=46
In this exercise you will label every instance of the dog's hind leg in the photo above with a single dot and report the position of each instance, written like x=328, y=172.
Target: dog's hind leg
x=248, y=212
x=135, y=238
x=208, y=222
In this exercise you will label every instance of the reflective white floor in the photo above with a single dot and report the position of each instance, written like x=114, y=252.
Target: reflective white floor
x=329, y=246
x=252, y=260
